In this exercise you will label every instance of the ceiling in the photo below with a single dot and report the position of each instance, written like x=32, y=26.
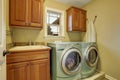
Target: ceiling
x=77, y=3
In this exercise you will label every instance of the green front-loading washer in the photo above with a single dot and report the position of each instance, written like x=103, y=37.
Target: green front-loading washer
x=66, y=60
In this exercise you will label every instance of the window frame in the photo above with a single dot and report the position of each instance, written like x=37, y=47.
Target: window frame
x=61, y=23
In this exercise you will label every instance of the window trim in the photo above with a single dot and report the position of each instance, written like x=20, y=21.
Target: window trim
x=61, y=22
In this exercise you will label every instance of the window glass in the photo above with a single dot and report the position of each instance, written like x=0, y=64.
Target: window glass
x=54, y=26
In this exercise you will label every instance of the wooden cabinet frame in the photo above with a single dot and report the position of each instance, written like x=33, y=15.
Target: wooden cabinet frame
x=28, y=65
x=76, y=19
x=27, y=13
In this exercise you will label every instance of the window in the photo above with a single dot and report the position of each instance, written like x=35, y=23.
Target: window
x=54, y=23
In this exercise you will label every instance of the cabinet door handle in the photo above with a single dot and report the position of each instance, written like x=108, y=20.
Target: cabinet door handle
x=29, y=24
x=5, y=53
x=26, y=23
x=28, y=64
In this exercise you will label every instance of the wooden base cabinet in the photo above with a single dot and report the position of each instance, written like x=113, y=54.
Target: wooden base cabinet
x=34, y=68
x=18, y=71
x=39, y=69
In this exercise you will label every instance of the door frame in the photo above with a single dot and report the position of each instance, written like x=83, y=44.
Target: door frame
x=3, y=40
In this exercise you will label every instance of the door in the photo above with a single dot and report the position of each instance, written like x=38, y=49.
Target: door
x=91, y=56
x=18, y=12
x=39, y=70
x=71, y=61
x=18, y=71
x=2, y=40
x=76, y=19
x=36, y=13
x=83, y=21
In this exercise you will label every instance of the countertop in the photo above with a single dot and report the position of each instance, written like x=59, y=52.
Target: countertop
x=29, y=48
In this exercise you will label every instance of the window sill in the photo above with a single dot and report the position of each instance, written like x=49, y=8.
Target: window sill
x=54, y=37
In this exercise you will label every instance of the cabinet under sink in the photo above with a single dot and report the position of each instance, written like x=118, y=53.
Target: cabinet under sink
x=28, y=63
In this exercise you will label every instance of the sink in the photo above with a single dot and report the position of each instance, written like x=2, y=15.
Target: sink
x=32, y=47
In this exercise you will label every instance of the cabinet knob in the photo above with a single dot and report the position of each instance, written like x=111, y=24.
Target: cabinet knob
x=29, y=24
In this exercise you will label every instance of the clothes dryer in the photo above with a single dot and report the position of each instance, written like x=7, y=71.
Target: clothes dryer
x=65, y=60
x=90, y=59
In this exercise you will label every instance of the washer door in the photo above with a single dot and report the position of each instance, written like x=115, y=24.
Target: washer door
x=71, y=61
x=91, y=56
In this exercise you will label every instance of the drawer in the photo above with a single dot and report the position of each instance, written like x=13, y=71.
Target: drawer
x=27, y=56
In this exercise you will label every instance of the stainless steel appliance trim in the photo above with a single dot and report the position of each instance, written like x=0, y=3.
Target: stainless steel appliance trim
x=88, y=49
x=65, y=53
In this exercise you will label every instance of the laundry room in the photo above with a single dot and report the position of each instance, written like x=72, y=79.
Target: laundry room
x=59, y=40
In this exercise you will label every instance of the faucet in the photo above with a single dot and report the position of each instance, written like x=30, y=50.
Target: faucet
x=31, y=43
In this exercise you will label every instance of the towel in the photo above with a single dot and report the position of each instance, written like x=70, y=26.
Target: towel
x=88, y=31
x=91, y=32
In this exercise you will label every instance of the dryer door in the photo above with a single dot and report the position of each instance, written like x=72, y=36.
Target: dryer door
x=91, y=56
x=71, y=61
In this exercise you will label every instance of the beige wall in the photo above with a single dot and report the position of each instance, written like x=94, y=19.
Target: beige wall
x=107, y=26
x=25, y=35
x=108, y=33
x=8, y=32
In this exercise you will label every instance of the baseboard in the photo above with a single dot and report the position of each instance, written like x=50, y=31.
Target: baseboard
x=109, y=77
x=100, y=76
x=97, y=76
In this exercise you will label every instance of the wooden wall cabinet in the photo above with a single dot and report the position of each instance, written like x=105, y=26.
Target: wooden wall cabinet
x=76, y=19
x=27, y=13
x=33, y=65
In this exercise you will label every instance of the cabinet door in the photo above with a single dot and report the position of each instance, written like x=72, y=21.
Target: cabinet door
x=76, y=20
x=18, y=71
x=18, y=12
x=69, y=20
x=39, y=70
x=83, y=21
x=36, y=13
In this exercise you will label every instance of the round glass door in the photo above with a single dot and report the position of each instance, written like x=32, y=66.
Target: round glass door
x=71, y=61
x=92, y=56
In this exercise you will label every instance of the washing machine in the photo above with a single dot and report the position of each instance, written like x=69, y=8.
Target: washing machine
x=90, y=59
x=66, y=59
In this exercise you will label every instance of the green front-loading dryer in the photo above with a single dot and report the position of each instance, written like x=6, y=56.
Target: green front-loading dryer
x=90, y=59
